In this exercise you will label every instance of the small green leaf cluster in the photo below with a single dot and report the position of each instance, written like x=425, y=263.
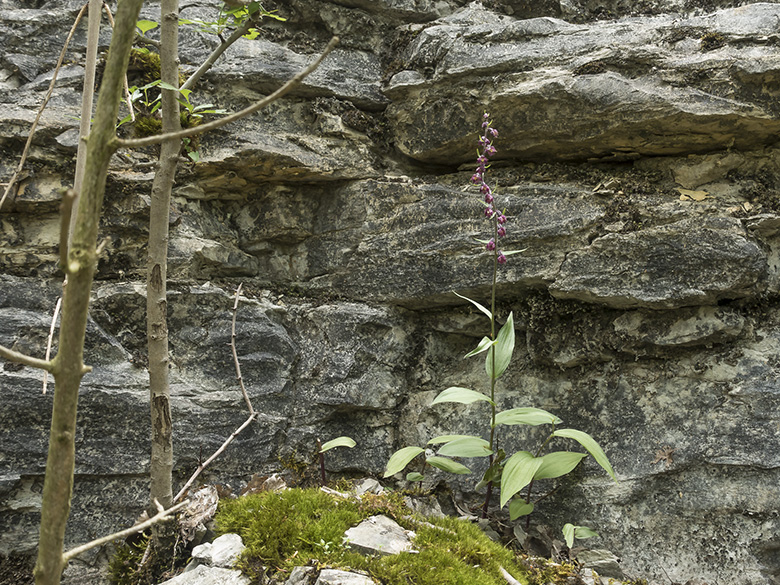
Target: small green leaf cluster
x=233, y=16
x=298, y=527
x=523, y=467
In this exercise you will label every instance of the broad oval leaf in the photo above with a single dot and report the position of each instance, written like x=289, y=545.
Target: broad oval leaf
x=447, y=438
x=484, y=345
x=591, y=446
x=401, y=459
x=583, y=532
x=447, y=465
x=568, y=534
x=414, y=476
x=146, y=25
x=558, y=464
x=476, y=304
x=339, y=442
x=526, y=416
x=518, y=508
x=518, y=472
x=466, y=447
x=460, y=395
x=503, y=348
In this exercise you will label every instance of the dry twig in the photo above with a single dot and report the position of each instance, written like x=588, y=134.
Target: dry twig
x=252, y=412
x=161, y=516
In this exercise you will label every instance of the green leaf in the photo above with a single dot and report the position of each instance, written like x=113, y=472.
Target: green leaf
x=583, y=532
x=252, y=34
x=414, y=476
x=518, y=472
x=476, y=304
x=460, y=395
x=519, y=507
x=146, y=25
x=505, y=345
x=194, y=155
x=558, y=464
x=447, y=465
x=590, y=445
x=466, y=447
x=339, y=442
x=484, y=345
x=401, y=459
x=568, y=534
x=446, y=439
x=513, y=252
x=526, y=416
x=493, y=473
x=165, y=85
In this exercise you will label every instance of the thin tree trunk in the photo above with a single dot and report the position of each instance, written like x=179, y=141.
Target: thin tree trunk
x=87, y=95
x=157, y=271
x=68, y=366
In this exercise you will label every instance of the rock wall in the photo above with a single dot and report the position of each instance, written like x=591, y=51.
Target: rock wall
x=639, y=169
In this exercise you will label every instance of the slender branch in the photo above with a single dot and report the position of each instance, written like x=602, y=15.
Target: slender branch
x=216, y=454
x=194, y=131
x=128, y=99
x=217, y=53
x=50, y=341
x=12, y=181
x=235, y=355
x=252, y=412
x=66, y=209
x=20, y=358
x=161, y=516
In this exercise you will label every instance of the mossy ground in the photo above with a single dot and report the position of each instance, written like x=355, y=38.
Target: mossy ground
x=306, y=526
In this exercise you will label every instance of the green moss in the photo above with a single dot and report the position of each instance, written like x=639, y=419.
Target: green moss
x=299, y=527
x=146, y=63
x=147, y=126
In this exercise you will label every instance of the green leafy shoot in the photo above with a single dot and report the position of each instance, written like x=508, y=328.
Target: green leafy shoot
x=519, y=508
x=476, y=304
x=466, y=447
x=401, y=459
x=145, y=26
x=448, y=465
x=526, y=416
x=503, y=348
x=570, y=532
x=484, y=345
x=461, y=396
x=338, y=442
x=518, y=472
x=591, y=446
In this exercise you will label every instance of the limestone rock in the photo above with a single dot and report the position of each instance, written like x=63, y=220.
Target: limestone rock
x=223, y=552
x=610, y=90
x=717, y=262
x=203, y=575
x=379, y=535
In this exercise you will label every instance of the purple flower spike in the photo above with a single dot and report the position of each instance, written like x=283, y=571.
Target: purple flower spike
x=478, y=178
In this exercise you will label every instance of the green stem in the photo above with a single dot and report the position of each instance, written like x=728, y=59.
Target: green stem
x=493, y=364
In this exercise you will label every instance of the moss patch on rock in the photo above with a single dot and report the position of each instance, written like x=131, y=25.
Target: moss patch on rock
x=306, y=527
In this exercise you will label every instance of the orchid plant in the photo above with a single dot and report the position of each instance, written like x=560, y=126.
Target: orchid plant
x=523, y=468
